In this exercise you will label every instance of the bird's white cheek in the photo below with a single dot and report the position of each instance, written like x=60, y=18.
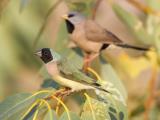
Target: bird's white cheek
x=52, y=69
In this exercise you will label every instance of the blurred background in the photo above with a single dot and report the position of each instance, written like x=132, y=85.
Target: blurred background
x=28, y=25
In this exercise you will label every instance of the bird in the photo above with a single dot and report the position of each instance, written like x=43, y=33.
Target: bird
x=66, y=73
x=90, y=37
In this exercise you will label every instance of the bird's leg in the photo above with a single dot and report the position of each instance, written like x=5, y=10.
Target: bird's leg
x=88, y=59
x=86, y=62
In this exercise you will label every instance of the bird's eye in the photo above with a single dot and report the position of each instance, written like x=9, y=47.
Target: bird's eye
x=70, y=15
x=45, y=53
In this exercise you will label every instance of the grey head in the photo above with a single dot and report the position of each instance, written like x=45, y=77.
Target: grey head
x=73, y=18
x=48, y=55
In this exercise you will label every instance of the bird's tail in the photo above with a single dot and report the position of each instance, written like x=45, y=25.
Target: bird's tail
x=132, y=47
x=102, y=89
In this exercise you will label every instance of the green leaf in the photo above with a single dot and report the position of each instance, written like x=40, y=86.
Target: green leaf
x=97, y=112
x=16, y=103
x=77, y=6
x=61, y=41
x=113, y=83
x=61, y=46
x=83, y=6
x=18, y=115
x=108, y=106
x=154, y=4
x=50, y=83
x=105, y=108
x=134, y=24
x=86, y=116
x=153, y=26
x=138, y=110
x=13, y=104
x=23, y=3
x=157, y=38
x=47, y=116
x=154, y=113
x=117, y=100
x=73, y=116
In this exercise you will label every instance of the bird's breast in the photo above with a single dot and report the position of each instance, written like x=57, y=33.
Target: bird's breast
x=79, y=38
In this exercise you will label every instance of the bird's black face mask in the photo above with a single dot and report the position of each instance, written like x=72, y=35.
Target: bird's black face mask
x=46, y=55
x=70, y=26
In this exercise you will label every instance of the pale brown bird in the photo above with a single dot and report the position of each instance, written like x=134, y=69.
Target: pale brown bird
x=91, y=37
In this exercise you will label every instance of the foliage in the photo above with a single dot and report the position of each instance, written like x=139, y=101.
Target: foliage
x=23, y=30
x=146, y=32
x=44, y=103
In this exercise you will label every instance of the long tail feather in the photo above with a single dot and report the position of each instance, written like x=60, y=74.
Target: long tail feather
x=101, y=89
x=132, y=47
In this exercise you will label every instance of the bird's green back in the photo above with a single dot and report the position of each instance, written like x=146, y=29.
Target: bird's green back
x=69, y=70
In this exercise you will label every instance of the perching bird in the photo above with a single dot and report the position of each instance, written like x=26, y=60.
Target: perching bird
x=91, y=37
x=66, y=73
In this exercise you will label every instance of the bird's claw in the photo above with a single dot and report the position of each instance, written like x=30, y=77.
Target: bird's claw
x=63, y=92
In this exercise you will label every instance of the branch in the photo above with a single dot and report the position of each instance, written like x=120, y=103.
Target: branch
x=145, y=9
x=3, y=4
x=150, y=100
x=98, y=2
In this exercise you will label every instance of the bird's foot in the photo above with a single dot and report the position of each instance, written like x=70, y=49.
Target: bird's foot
x=63, y=92
x=86, y=64
x=58, y=92
x=84, y=68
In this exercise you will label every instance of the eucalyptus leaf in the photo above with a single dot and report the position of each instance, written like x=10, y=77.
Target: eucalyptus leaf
x=73, y=116
x=154, y=4
x=134, y=25
x=83, y=6
x=13, y=104
x=95, y=110
x=50, y=83
x=16, y=103
x=86, y=116
x=23, y=3
x=61, y=40
x=107, y=108
x=153, y=27
x=61, y=46
x=18, y=115
x=138, y=110
x=48, y=117
x=113, y=83
x=154, y=113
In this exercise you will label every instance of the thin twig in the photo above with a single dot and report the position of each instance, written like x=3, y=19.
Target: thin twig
x=157, y=94
x=58, y=105
x=150, y=100
x=64, y=106
x=57, y=93
x=3, y=4
x=145, y=9
x=140, y=6
x=45, y=23
x=95, y=8
x=90, y=105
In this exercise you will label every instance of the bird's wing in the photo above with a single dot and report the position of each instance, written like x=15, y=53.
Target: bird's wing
x=96, y=33
x=70, y=71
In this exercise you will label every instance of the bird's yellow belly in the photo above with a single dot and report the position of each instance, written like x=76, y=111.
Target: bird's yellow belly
x=75, y=86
